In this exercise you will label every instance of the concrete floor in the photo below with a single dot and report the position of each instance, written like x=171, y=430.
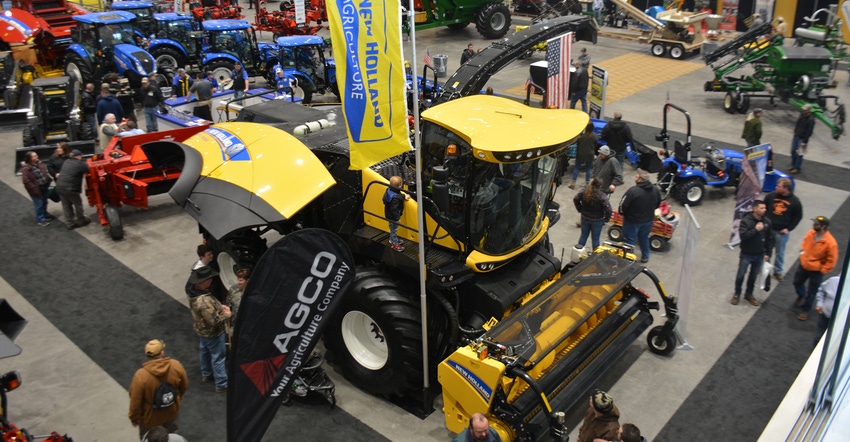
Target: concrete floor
x=160, y=242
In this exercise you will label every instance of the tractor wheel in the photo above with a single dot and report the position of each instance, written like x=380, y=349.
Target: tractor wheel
x=730, y=102
x=29, y=137
x=677, y=52
x=690, y=191
x=235, y=251
x=169, y=59
x=113, y=217
x=493, y=21
x=78, y=69
x=743, y=103
x=458, y=26
x=658, y=49
x=221, y=69
x=615, y=233
x=660, y=345
x=658, y=243
x=375, y=339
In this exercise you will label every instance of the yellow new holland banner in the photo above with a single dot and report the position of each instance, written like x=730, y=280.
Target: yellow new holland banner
x=366, y=39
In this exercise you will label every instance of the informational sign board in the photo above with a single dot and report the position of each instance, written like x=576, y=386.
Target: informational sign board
x=598, y=86
x=729, y=11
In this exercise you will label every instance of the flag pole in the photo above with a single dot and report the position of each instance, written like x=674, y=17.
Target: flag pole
x=420, y=215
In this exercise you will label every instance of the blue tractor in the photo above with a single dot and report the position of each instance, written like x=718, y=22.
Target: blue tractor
x=105, y=42
x=176, y=41
x=302, y=58
x=143, y=10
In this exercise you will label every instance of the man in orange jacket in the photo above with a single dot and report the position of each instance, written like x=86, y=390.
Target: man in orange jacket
x=818, y=256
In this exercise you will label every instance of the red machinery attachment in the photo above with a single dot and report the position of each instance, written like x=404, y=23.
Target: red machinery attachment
x=663, y=226
x=123, y=175
x=283, y=23
x=215, y=10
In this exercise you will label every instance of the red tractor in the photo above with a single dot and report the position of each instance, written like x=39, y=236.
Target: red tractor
x=663, y=226
x=284, y=22
x=215, y=10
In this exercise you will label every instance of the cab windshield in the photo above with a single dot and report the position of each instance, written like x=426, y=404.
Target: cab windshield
x=493, y=208
x=117, y=33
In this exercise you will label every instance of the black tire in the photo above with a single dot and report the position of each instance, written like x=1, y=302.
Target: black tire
x=235, y=251
x=169, y=59
x=218, y=67
x=29, y=137
x=377, y=318
x=458, y=26
x=658, y=243
x=658, y=49
x=79, y=69
x=730, y=102
x=658, y=344
x=285, y=6
x=690, y=191
x=743, y=103
x=677, y=52
x=615, y=233
x=115, y=227
x=493, y=21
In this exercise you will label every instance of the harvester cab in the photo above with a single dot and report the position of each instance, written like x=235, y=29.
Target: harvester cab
x=106, y=42
x=143, y=10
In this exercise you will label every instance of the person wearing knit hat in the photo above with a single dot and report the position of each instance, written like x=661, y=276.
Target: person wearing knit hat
x=159, y=376
x=209, y=318
x=601, y=419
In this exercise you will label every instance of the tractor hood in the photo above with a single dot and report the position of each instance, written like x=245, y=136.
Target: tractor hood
x=135, y=59
x=233, y=175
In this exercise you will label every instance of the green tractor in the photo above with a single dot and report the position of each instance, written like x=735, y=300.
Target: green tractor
x=796, y=75
x=491, y=18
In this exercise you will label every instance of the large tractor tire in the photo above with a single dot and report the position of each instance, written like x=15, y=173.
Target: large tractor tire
x=493, y=21
x=236, y=251
x=169, y=59
x=77, y=68
x=375, y=339
x=690, y=191
x=221, y=70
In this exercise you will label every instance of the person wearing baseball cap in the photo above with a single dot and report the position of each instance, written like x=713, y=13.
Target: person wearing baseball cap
x=602, y=419
x=162, y=376
x=818, y=256
x=69, y=184
x=209, y=318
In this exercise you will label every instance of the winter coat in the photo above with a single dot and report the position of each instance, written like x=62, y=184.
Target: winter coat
x=785, y=212
x=639, y=203
x=109, y=105
x=71, y=176
x=578, y=81
x=753, y=241
x=598, y=208
x=207, y=316
x=54, y=166
x=586, y=149
x=617, y=133
x=393, y=205
x=143, y=386
x=30, y=179
x=605, y=427
x=752, y=131
x=151, y=96
x=819, y=256
x=804, y=127
x=88, y=103
x=607, y=171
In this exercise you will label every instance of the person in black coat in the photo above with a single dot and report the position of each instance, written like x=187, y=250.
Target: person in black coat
x=617, y=134
x=69, y=184
x=756, y=245
x=638, y=209
x=578, y=86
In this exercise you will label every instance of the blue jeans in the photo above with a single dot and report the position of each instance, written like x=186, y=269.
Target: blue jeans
x=814, y=278
x=213, y=354
x=150, y=119
x=796, y=158
x=640, y=231
x=40, y=204
x=237, y=95
x=588, y=168
x=597, y=15
x=91, y=120
x=592, y=228
x=743, y=263
x=779, y=240
x=576, y=96
x=394, y=233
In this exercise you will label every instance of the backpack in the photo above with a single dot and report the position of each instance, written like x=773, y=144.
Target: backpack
x=164, y=397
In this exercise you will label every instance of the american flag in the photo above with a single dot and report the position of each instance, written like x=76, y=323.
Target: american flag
x=558, y=53
x=428, y=61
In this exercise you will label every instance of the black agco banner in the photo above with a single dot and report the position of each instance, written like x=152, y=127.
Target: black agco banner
x=292, y=293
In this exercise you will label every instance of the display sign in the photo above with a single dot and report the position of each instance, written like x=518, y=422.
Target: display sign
x=729, y=11
x=598, y=87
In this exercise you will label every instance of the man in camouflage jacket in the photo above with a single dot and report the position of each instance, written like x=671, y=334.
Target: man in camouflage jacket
x=209, y=317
